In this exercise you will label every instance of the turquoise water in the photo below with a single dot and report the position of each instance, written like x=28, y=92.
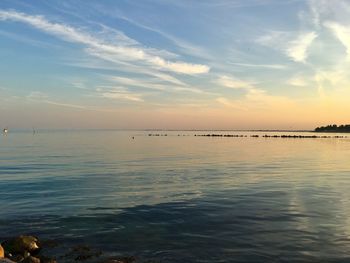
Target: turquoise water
x=180, y=198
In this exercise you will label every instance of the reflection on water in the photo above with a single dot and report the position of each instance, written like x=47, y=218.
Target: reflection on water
x=180, y=199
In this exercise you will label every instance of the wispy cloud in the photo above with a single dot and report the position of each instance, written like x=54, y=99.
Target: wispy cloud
x=37, y=95
x=297, y=49
x=193, y=90
x=41, y=97
x=119, y=93
x=184, y=46
x=273, y=38
x=256, y=99
x=99, y=48
x=231, y=103
x=228, y=4
x=253, y=98
x=293, y=45
x=332, y=80
x=341, y=32
x=233, y=82
x=26, y=40
x=137, y=83
x=298, y=81
x=125, y=67
x=79, y=85
x=267, y=66
x=65, y=104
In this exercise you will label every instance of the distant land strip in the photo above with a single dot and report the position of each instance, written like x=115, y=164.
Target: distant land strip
x=334, y=128
x=256, y=136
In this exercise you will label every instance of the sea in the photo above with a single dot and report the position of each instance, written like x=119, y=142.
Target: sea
x=176, y=197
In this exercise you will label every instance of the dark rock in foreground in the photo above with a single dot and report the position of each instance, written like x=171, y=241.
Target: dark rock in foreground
x=30, y=259
x=22, y=245
x=82, y=253
x=28, y=249
x=6, y=260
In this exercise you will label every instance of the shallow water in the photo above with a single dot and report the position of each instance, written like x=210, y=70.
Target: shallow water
x=180, y=198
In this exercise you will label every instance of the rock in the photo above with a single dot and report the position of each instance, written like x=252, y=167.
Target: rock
x=121, y=260
x=44, y=259
x=2, y=252
x=22, y=245
x=31, y=259
x=82, y=253
x=48, y=243
x=16, y=258
x=128, y=259
x=6, y=260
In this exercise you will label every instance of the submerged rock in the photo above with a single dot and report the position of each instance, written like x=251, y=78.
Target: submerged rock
x=44, y=259
x=31, y=259
x=121, y=260
x=6, y=260
x=48, y=243
x=82, y=253
x=22, y=245
x=16, y=258
x=28, y=249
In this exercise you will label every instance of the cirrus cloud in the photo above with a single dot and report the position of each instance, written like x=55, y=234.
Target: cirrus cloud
x=298, y=48
x=96, y=47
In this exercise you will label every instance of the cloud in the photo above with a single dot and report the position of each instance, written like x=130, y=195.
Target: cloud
x=293, y=45
x=193, y=90
x=137, y=83
x=164, y=77
x=268, y=66
x=297, y=49
x=273, y=38
x=97, y=47
x=322, y=10
x=119, y=93
x=256, y=99
x=37, y=95
x=231, y=103
x=127, y=68
x=341, y=32
x=316, y=8
x=184, y=46
x=150, y=84
x=64, y=104
x=44, y=98
x=336, y=79
x=297, y=81
x=233, y=83
x=79, y=85
x=253, y=99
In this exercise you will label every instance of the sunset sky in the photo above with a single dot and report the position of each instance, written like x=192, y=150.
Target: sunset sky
x=181, y=64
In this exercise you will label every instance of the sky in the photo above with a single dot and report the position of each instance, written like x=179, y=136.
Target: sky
x=184, y=64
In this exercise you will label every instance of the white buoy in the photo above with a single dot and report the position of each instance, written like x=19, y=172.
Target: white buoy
x=5, y=130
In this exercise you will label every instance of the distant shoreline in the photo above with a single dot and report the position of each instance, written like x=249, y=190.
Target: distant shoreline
x=149, y=130
x=334, y=128
x=178, y=130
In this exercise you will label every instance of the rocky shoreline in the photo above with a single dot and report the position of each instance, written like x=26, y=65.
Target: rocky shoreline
x=29, y=249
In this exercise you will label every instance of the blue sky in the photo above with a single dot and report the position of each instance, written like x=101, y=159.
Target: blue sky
x=181, y=64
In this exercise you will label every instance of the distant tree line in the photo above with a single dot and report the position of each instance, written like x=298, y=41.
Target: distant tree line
x=333, y=128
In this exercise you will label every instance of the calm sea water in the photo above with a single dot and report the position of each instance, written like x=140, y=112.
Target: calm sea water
x=180, y=198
